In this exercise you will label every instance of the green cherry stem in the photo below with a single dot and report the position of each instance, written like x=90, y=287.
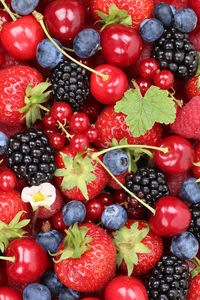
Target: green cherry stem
x=39, y=17
x=123, y=187
x=11, y=259
x=68, y=49
x=8, y=10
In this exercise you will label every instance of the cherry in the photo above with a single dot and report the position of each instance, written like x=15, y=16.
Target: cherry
x=49, y=122
x=144, y=85
x=171, y=218
x=105, y=198
x=61, y=112
x=92, y=134
x=92, y=108
x=79, y=122
x=64, y=19
x=8, y=181
x=110, y=90
x=164, y=79
x=4, y=17
x=9, y=294
x=178, y=159
x=121, y=45
x=120, y=196
x=148, y=68
x=94, y=209
x=57, y=140
x=57, y=221
x=79, y=143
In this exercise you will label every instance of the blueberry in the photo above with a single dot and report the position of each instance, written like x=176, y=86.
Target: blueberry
x=163, y=12
x=151, y=30
x=185, y=20
x=50, y=279
x=116, y=161
x=74, y=211
x=173, y=8
x=48, y=56
x=114, y=216
x=69, y=294
x=49, y=240
x=36, y=291
x=86, y=43
x=190, y=190
x=3, y=143
x=24, y=7
x=185, y=245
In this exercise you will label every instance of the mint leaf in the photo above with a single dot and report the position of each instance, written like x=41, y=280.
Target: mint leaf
x=143, y=112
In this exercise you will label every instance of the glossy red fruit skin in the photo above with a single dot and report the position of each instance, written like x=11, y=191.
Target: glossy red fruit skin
x=172, y=217
x=4, y=17
x=30, y=263
x=111, y=90
x=64, y=19
x=57, y=221
x=164, y=79
x=49, y=122
x=57, y=140
x=105, y=198
x=94, y=209
x=79, y=142
x=125, y=288
x=79, y=122
x=180, y=157
x=92, y=108
x=61, y=111
x=21, y=37
x=121, y=45
x=148, y=67
x=8, y=180
x=144, y=85
x=9, y=294
x=195, y=169
x=91, y=134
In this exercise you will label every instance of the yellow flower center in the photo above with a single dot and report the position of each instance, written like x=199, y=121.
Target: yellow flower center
x=38, y=197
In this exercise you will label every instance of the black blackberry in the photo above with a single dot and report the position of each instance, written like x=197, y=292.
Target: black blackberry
x=195, y=222
x=169, y=279
x=70, y=83
x=31, y=157
x=148, y=184
x=174, y=51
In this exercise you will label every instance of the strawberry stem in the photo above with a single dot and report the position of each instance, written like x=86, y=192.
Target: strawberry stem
x=11, y=259
x=8, y=10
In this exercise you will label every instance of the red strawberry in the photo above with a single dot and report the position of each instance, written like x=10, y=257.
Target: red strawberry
x=79, y=175
x=112, y=125
x=187, y=123
x=144, y=249
x=191, y=88
x=138, y=9
x=177, y=3
x=94, y=267
x=194, y=289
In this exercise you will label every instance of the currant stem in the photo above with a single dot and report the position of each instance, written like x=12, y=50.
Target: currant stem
x=8, y=10
x=39, y=17
x=60, y=125
x=11, y=259
x=123, y=187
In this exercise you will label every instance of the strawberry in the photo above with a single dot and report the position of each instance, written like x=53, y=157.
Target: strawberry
x=177, y=3
x=9, y=60
x=86, y=258
x=194, y=289
x=112, y=125
x=138, y=9
x=138, y=247
x=191, y=88
x=78, y=176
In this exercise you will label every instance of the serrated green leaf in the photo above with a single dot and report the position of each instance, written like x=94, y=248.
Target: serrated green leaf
x=40, y=88
x=141, y=234
x=16, y=219
x=143, y=112
x=141, y=248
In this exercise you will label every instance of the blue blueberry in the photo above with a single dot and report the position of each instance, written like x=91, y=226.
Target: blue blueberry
x=3, y=143
x=190, y=190
x=69, y=294
x=162, y=11
x=36, y=291
x=185, y=20
x=117, y=161
x=48, y=56
x=49, y=240
x=86, y=43
x=173, y=8
x=50, y=279
x=114, y=216
x=24, y=7
x=185, y=245
x=151, y=30
x=74, y=211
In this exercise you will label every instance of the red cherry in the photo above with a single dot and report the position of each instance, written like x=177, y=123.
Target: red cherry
x=144, y=85
x=8, y=181
x=79, y=122
x=79, y=143
x=105, y=198
x=57, y=221
x=64, y=19
x=92, y=134
x=148, y=68
x=4, y=17
x=178, y=159
x=9, y=294
x=120, y=196
x=121, y=45
x=30, y=260
x=92, y=108
x=164, y=79
x=49, y=122
x=94, y=209
x=21, y=37
x=110, y=90
x=171, y=218
x=61, y=112
x=57, y=140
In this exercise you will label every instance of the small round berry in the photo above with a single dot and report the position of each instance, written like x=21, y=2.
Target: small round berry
x=151, y=30
x=79, y=122
x=92, y=109
x=36, y=291
x=144, y=85
x=57, y=140
x=8, y=181
x=3, y=143
x=79, y=143
x=185, y=20
x=163, y=12
x=49, y=122
x=92, y=134
x=164, y=79
x=74, y=211
x=61, y=112
x=114, y=217
x=57, y=221
x=148, y=68
x=86, y=43
x=190, y=190
x=24, y=7
x=120, y=196
x=94, y=209
x=49, y=240
x=106, y=199
x=117, y=161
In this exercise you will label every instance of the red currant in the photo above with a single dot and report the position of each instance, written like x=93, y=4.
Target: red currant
x=92, y=108
x=92, y=134
x=94, y=209
x=164, y=79
x=148, y=68
x=57, y=221
x=49, y=122
x=49, y=132
x=4, y=17
x=105, y=198
x=79, y=143
x=79, y=122
x=61, y=112
x=120, y=196
x=144, y=85
x=8, y=181
x=57, y=140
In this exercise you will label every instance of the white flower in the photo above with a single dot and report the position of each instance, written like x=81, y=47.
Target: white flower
x=41, y=195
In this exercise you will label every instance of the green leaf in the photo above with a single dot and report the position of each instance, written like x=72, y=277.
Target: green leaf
x=198, y=69
x=141, y=234
x=141, y=248
x=198, y=84
x=143, y=112
x=197, y=164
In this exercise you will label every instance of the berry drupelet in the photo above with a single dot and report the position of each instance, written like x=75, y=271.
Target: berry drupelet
x=31, y=157
x=195, y=222
x=71, y=84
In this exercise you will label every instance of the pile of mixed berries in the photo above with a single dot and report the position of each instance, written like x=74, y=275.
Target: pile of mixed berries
x=99, y=149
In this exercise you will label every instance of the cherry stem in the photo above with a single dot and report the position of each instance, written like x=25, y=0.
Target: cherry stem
x=39, y=17
x=68, y=49
x=11, y=259
x=123, y=187
x=61, y=126
x=8, y=10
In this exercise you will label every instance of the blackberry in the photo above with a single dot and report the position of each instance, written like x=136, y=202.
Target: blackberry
x=169, y=279
x=148, y=184
x=71, y=84
x=195, y=222
x=31, y=157
x=174, y=51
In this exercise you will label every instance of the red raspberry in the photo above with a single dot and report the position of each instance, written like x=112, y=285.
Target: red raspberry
x=174, y=182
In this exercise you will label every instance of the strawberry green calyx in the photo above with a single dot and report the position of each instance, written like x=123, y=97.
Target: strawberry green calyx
x=196, y=270
x=33, y=99
x=75, y=243
x=115, y=16
x=12, y=230
x=128, y=243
